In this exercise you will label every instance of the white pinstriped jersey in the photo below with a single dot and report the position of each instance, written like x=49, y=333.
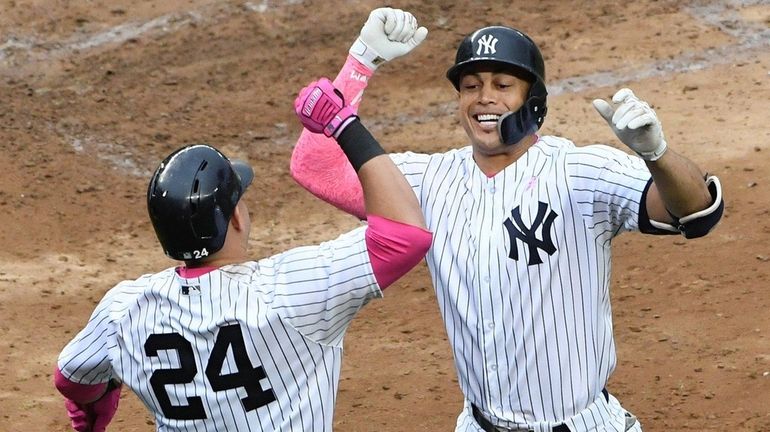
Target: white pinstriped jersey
x=521, y=266
x=249, y=347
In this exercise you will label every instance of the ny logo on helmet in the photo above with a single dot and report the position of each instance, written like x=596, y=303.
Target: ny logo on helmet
x=487, y=42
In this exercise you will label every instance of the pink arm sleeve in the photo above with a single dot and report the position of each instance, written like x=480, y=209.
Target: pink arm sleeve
x=317, y=162
x=80, y=393
x=394, y=248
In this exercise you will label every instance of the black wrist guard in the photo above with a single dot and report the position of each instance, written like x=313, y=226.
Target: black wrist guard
x=358, y=144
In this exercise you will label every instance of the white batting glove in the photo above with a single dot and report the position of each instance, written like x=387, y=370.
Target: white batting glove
x=387, y=34
x=634, y=123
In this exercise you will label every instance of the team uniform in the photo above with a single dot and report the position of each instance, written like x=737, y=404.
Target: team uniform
x=247, y=347
x=521, y=266
x=521, y=260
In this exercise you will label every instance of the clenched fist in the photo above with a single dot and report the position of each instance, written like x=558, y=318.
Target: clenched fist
x=387, y=34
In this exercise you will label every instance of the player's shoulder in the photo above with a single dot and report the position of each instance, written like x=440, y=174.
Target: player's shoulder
x=240, y=272
x=563, y=145
x=574, y=153
x=554, y=143
x=451, y=157
x=458, y=154
x=554, y=147
x=116, y=300
x=130, y=287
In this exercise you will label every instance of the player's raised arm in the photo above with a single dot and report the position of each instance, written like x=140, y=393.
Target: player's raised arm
x=317, y=162
x=396, y=237
x=681, y=198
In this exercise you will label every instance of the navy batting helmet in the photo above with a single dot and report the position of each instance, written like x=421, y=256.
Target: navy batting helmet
x=191, y=198
x=509, y=47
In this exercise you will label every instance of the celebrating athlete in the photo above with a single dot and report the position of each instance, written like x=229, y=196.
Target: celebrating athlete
x=523, y=226
x=222, y=343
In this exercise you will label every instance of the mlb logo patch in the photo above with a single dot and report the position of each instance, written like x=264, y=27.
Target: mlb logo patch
x=191, y=289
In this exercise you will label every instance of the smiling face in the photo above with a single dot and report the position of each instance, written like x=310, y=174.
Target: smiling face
x=486, y=91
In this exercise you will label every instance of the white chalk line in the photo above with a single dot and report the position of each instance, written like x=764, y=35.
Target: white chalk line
x=31, y=50
x=115, y=154
x=751, y=37
x=722, y=15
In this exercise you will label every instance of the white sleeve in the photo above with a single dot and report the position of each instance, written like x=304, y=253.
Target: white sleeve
x=319, y=289
x=609, y=186
x=413, y=166
x=85, y=359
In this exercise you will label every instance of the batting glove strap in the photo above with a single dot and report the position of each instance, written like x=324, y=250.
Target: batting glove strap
x=366, y=55
x=655, y=154
x=340, y=121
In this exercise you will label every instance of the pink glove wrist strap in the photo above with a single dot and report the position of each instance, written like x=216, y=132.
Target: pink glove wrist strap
x=340, y=121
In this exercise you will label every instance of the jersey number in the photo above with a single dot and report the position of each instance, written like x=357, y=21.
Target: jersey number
x=246, y=375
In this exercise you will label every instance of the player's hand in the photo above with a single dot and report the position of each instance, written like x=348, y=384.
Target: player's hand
x=321, y=108
x=95, y=416
x=634, y=123
x=387, y=34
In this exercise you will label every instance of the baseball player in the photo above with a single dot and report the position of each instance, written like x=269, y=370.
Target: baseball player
x=523, y=226
x=222, y=343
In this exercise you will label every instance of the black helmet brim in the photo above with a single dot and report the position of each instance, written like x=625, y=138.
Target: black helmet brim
x=244, y=171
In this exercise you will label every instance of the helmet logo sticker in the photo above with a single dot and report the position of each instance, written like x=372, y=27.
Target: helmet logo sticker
x=487, y=42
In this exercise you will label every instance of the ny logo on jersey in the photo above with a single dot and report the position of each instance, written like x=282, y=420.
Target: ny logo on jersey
x=487, y=42
x=517, y=230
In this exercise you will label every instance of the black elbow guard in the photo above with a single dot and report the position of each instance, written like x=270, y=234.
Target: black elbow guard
x=701, y=222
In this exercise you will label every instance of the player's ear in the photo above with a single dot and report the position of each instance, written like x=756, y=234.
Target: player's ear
x=237, y=219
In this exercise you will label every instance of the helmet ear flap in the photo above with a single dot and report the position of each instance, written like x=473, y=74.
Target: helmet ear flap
x=512, y=127
x=538, y=103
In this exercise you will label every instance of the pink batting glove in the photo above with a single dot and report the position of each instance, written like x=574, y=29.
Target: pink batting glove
x=321, y=108
x=79, y=416
x=95, y=416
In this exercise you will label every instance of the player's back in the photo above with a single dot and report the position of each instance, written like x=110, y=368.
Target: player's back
x=213, y=353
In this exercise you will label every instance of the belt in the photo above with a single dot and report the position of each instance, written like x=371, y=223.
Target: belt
x=489, y=427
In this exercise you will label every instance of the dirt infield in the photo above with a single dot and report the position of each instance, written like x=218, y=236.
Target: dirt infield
x=94, y=93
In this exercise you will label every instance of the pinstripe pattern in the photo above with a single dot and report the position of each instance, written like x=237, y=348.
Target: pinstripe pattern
x=293, y=310
x=532, y=344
